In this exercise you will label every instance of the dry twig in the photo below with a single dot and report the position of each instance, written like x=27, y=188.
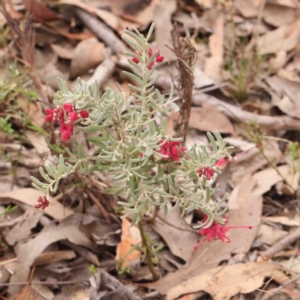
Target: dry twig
x=286, y=241
x=233, y=112
x=102, y=31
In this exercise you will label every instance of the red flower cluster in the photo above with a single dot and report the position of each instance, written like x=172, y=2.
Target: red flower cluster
x=171, y=150
x=159, y=58
x=65, y=114
x=207, y=172
x=43, y=202
x=216, y=231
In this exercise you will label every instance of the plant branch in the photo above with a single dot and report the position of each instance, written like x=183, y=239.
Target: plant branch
x=148, y=251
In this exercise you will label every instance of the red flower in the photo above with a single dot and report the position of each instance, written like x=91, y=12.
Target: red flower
x=216, y=231
x=135, y=60
x=207, y=172
x=170, y=149
x=66, y=131
x=49, y=113
x=73, y=117
x=68, y=107
x=159, y=58
x=221, y=163
x=43, y=202
x=84, y=114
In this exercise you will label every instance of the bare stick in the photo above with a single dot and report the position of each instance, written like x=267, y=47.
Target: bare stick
x=286, y=241
x=102, y=31
x=267, y=122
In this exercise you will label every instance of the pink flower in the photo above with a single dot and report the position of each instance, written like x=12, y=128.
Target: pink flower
x=135, y=60
x=66, y=132
x=207, y=172
x=43, y=202
x=216, y=231
x=84, y=114
x=68, y=107
x=49, y=113
x=158, y=58
x=73, y=117
x=170, y=149
x=221, y=163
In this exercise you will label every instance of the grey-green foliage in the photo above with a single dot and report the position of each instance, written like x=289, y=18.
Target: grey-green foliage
x=129, y=130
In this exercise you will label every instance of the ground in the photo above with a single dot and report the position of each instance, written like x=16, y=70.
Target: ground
x=235, y=69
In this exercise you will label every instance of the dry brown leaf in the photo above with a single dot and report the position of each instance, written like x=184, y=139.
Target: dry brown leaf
x=269, y=177
x=289, y=220
x=130, y=237
x=23, y=228
x=278, y=15
x=246, y=8
x=81, y=295
x=3, y=20
x=180, y=242
x=51, y=257
x=29, y=196
x=283, y=38
x=39, y=11
x=270, y=235
x=109, y=18
x=214, y=63
x=207, y=118
x=205, y=3
x=32, y=110
x=88, y=54
x=224, y=282
x=289, y=92
x=288, y=3
x=246, y=210
x=63, y=52
x=28, y=251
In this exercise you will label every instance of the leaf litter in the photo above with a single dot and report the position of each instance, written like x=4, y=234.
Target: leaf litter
x=230, y=38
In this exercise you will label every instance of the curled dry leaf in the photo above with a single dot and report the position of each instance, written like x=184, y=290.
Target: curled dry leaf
x=224, y=282
x=29, y=250
x=88, y=54
x=22, y=229
x=130, y=237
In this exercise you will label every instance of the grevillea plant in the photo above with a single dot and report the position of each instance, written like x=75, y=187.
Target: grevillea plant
x=150, y=169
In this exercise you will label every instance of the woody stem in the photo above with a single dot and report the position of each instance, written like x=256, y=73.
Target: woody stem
x=148, y=251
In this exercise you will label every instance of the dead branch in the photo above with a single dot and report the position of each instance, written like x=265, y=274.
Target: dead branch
x=235, y=113
x=102, y=31
x=286, y=241
x=103, y=71
x=186, y=54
